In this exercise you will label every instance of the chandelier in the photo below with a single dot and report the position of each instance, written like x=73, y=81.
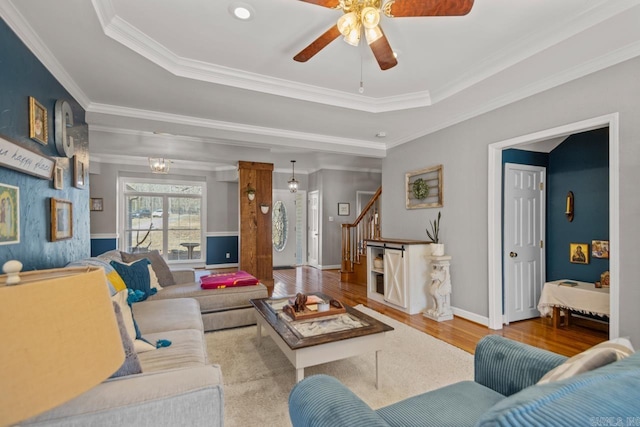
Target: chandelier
x=293, y=183
x=159, y=165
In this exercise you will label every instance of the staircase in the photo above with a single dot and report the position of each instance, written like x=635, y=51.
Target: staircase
x=353, y=268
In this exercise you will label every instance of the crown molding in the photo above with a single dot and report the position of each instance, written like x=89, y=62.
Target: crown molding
x=128, y=35
x=525, y=48
x=600, y=63
x=287, y=138
x=19, y=25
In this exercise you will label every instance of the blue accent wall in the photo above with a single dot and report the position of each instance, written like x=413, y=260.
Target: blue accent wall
x=522, y=157
x=100, y=246
x=580, y=164
x=21, y=76
x=219, y=246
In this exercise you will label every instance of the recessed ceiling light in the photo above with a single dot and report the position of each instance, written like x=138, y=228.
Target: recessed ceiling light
x=242, y=11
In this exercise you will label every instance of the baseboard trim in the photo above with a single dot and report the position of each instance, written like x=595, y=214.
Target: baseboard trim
x=329, y=267
x=476, y=318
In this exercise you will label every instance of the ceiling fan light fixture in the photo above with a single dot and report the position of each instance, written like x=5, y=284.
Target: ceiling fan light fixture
x=370, y=17
x=347, y=22
x=372, y=34
x=353, y=38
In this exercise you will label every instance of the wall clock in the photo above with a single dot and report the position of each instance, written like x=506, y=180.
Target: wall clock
x=63, y=121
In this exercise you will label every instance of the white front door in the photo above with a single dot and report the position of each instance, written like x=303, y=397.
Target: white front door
x=395, y=290
x=524, y=230
x=314, y=219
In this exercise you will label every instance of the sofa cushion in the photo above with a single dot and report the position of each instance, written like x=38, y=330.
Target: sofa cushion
x=135, y=275
x=157, y=262
x=212, y=300
x=187, y=349
x=131, y=364
x=167, y=315
x=608, y=392
x=593, y=358
x=459, y=404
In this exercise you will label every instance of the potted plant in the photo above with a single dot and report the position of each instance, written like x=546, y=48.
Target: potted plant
x=437, y=248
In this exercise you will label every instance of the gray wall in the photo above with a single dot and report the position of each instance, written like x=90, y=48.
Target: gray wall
x=462, y=149
x=336, y=186
x=222, y=196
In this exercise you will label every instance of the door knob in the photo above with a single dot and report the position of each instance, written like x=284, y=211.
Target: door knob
x=513, y=254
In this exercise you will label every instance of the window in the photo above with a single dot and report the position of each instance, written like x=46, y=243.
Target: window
x=168, y=217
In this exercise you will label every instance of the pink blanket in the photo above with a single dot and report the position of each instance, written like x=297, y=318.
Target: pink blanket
x=227, y=280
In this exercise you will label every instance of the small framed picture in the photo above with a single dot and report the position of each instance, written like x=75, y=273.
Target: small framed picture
x=58, y=178
x=600, y=249
x=579, y=253
x=38, y=125
x=9, y=214
x=61, y=219
x=79, y=173
x=95, y=204
x=343, y=209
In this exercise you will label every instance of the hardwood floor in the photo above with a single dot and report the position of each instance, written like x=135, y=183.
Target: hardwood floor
x=459, y=332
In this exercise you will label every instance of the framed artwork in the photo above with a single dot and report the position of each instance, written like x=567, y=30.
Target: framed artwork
x=38, y=125
x=58, y=178
x=600, y=249
x=79, y=173
x=343, y=209
x=95, y=204
x=424, y=188
x=579, y=253
x=9, y=214
x=61, y=219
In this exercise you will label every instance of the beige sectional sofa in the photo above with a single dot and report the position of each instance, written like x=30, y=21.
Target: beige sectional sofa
x=178, y=385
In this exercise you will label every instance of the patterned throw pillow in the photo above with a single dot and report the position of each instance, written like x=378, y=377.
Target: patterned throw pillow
x=157, y=262
x=135, y=275
x=116, y=283
x=593, y=358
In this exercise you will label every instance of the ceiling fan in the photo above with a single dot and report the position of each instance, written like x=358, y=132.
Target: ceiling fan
x=364, y=16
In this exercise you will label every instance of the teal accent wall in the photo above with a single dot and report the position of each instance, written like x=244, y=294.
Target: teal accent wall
x=580, y=164
x=21, y=76
x=219, y=246
x=100, y=246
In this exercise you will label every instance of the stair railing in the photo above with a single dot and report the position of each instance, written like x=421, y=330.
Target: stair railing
x=366, y=226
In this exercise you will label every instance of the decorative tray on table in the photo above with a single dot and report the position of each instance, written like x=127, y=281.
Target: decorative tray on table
x=310, y=307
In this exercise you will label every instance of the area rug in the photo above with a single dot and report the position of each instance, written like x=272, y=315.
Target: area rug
x=257, y=380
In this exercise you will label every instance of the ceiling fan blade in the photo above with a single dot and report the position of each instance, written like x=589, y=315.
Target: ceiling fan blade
x=318, y=44
x=332, y=4
x=404, y=8
x=383, y=53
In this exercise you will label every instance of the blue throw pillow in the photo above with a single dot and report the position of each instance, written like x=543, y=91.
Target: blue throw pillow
x=135, y=275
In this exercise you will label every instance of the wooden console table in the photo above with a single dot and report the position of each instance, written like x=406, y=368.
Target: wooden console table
x=583, y=298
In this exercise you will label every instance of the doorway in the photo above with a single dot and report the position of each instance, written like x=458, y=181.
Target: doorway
x=314, y=228
x=494, y=238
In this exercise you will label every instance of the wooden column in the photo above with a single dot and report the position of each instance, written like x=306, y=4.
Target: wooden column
x=256, y=253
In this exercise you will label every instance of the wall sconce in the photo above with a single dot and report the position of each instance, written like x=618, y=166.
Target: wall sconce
x=569, y=211
x=251, y=192
x=264, y=208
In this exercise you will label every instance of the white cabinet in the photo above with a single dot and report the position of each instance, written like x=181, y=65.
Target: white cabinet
x=403, y=281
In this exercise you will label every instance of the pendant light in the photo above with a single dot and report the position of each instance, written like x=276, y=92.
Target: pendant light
x=293, y=183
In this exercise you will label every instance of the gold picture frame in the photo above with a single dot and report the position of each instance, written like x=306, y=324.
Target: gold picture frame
x=79, y=173
x=38, y=123
x=579, y=253
x=424, y=188
x=61, y=219
x=9, y=214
